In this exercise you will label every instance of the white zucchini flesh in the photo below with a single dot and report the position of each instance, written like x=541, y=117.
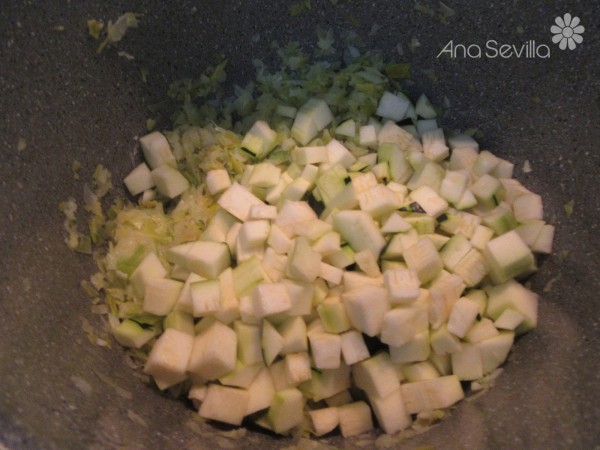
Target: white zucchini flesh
x=157, y=150
x=355, y=418
x=324, y=420
x=168, y=360
x=169, y=181
x=418, y=246
x=225, y=404
x=392, y=106
x=139, y=180
x=217, y=181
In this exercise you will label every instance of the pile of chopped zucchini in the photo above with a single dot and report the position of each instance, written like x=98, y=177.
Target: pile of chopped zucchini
x=316, y=251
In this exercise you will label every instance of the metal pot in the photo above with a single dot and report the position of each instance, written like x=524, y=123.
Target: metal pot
x=61, y=101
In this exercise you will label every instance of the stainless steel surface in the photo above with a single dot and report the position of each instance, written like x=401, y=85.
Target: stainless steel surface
x=68, y=103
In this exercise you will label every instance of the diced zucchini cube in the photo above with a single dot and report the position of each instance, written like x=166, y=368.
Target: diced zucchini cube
x=225, y=404
x=495, y=350
x=293, y=332
x=218, y=226
x=310, y=155
x=169, y=181
x=472, y=268
x=543, y=244
x=303, y=263
x=418, y=371
x=360, y=230
x=181, y=321
x=131, y=333
x=272, y=342
x=401, y=325
x=328, y=244
x=454, y=250
x=286, y=410
x=487, y=190
x=354, y=348
x=339, y=399
x=168, y=359
x=428, y=395
x=338, y=154
x=139, y=180
x=326, y=383
x=481, y=236
x=463, y=314
x=425, y=125
x=150, y=268
x=265, y=175
x=512, y=295
x=249, y=342
x=454, y=185
x=237, y=201
x=355, y=419
x=376, y=375
x=217, y=180
x=378, y=201
x=424, y=108
x=297, y=367
x=242, y=376
x=346, y=128
x=205, y=258
x=214, y=352
x=392, y=106
x=417, y=349
x=366, y=306
x=260, y=139
x=467, y=200
x=390, y=412
x=157, y=150
x=326, y=350
x=254, y=233
x=467, y=364
x=311, y=118
x=395, y=224
x=399, y=243
x=442, y=341
x=278, y=240
x=365, y=260
x=529, y=231
x=324, y=420
x=463, y=157
x=442, y=363
x=528, y=207
x=334, y=317
x=206, y=297
x=161, y=295
x=509, y=320
x=500, y=219
x=434, y=145
x=367, y=135
x=184, y=301
x=270, y=298
x=424, y=259
x=246, y=276
x=429, y=200
x=260, y=392
x=508, y=257
x=230, y=305
x=480, y=331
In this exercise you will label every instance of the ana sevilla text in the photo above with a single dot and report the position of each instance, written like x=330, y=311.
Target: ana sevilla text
x=493, y=49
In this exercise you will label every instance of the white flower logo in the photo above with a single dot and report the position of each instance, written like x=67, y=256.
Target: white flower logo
x=567, y=31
